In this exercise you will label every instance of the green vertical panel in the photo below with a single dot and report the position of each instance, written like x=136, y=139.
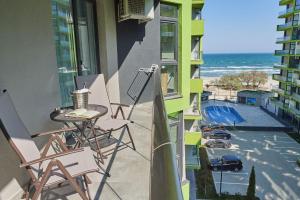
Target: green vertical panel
x=184, y=55
x=186, y=191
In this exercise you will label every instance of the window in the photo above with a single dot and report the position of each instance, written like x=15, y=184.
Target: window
x=196, y=48
x=75, y=42
x=168, y=11
x=169, y=45
x=196, y=14
x=169, y=79
x=297, y=4
x=168, y=41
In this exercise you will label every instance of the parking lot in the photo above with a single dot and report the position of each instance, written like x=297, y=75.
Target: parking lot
x=273, y=154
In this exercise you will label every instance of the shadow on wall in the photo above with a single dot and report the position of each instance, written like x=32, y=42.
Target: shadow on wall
x=138, y=46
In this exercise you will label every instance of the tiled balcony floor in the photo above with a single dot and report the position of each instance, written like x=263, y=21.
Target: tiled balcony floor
x=129, y=169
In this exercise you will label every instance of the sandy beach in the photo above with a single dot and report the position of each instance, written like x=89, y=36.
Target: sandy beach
x=226, y=94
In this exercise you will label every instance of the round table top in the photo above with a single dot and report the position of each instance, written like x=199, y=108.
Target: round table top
x=60, y=115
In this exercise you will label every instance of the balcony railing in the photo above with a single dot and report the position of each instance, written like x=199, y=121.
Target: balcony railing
x=294, y=110
x=284, y=26
x=197, y=15
x=287, y=11
x=296, y=81
x=283, y=39
x=288, y=25
x=280, y=66
x=296, y=97
x=295, y=52
x=192, y=158
x=287, y=52
x=277, y=103
x=279, y=91
x=282, y=52
x=196, y=55
x=164, y=172
x=279, y=77
x=284, y=2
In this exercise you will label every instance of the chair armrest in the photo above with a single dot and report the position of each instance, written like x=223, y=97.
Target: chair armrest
x=50, y=157
x=120, y=104
x=53, y=132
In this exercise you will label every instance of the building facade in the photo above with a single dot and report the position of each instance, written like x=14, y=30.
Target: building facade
x=44, y=44
x=287, y=99
x=182, y=30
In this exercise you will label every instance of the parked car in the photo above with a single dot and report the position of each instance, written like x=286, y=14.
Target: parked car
x=206, y=128
x=217, y=134
x=218, y=143
x=230, y=163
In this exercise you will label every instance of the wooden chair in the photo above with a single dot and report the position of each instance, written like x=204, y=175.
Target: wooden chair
x=45, y=170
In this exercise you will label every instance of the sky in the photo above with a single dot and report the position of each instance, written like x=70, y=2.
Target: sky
x=241, y=26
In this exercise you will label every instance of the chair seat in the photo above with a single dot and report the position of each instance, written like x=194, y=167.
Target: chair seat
x=111, y=124
x=76, y=164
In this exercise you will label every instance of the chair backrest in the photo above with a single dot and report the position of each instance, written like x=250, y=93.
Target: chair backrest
x=16, y=133
x=98, y=95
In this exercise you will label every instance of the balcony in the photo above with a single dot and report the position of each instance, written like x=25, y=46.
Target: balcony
x=198, y=3
x=296, y=97
x=296, y=82
x=192, y=159
x=294, y=110
x=192, y=114
x=283, y=39
x=192, y=138
x=286, y=26
x=196, y=57
x=279, y=91
x=155, y=169
x=277, y=103
x=280, y=66
x=280, y=78
x=197, y=27
x=282, y=52
x=286, y=12
x=287, y=39
x=285, y=2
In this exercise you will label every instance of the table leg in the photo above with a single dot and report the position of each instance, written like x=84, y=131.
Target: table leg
x=80, y=140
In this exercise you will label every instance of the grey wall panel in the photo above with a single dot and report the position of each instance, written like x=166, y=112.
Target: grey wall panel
x=138, y=46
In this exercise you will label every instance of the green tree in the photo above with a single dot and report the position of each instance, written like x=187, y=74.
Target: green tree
x=245, y=78
x=230, y=82
x=251, y=187
x=253, y=79
x=259, y=78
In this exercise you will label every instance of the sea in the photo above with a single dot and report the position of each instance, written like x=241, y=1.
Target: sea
x=216, y=65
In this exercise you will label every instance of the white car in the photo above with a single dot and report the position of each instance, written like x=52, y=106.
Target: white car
x=218, y=143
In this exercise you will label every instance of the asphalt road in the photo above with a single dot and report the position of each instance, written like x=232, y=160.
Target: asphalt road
x=273, y=154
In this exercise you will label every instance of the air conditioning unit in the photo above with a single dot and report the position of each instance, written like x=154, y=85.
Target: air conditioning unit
x=141, y=10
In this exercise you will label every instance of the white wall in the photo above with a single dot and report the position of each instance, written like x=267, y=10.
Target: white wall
x=28, y=70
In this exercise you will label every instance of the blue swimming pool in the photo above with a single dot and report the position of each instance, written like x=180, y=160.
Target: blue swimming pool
x=222, y=115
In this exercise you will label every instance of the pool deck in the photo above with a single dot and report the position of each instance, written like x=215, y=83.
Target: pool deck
x=253, y=115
